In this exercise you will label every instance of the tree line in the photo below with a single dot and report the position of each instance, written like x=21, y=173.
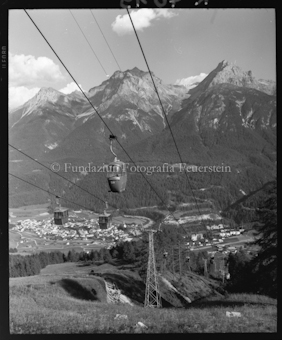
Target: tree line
x=258, y=273
x=32, y=264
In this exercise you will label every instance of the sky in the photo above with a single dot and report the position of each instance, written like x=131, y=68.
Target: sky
x=181, y=45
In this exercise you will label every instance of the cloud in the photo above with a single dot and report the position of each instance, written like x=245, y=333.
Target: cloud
x=26, y=70
x=71, y=87
x=141, y=18
x=20, y=95
x=188, y=82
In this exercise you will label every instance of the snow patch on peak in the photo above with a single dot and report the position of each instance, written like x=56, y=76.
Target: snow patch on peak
x=250, y=114
x=262, y=82
x=215, y=123
x=51, y=146
x=132, y=114
x=243, y=192
x=239, y=104
x=88, y=114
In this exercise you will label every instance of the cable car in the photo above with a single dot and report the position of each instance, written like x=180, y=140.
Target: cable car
x=212, y=260
x=116, y=174
x=105, y=219
x=61, y=215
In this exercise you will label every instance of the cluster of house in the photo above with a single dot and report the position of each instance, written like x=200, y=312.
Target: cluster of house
x=199, y=240
x=229, y=232
x=215, y=226
x=225, y=230
x=83, y=230
x=225, y=250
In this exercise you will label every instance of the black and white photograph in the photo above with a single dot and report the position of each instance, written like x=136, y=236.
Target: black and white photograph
x=142, y=172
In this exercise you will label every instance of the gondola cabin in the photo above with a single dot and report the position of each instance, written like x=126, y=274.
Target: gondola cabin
x=61, y=216
x=117, y=176
x=105, y=221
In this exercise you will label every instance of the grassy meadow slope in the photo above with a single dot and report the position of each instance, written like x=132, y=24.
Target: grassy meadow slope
x=64, y=298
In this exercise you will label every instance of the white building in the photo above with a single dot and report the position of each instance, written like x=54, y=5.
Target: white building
x=195, y=237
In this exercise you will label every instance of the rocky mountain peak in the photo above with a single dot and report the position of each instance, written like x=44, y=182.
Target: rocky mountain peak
x=226, y=64
x=230, y=73
x=135, y=72
x=135, y=86
x=48, y=93
x=117, y=75
x=44, y=95
x=76, y=94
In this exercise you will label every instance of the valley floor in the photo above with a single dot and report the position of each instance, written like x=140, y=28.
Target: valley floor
x=35, y=230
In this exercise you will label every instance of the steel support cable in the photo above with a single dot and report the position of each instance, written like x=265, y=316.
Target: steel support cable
x=66, y=180
x=56, y=173
x=105, y=39
x=88, y=43
x=160, y=198
x=51, y=193
x=164, y=112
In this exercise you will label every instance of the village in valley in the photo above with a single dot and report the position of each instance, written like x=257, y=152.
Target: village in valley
x=84, y=231
x=75, y=232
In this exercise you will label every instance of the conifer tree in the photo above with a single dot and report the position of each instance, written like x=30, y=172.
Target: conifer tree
x=265, y=264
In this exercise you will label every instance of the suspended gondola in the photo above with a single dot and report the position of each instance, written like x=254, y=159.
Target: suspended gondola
x=105, y=219
x=61, y=214
x=116, y=172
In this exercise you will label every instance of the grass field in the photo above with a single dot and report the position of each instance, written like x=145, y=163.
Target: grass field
x=14, y=239
x=63, y=299
x=32, y=243
x=29, y=211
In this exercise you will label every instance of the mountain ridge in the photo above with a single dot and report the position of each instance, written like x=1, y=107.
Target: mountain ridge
x=126, y=98
x=227, y=72
x=219, y=121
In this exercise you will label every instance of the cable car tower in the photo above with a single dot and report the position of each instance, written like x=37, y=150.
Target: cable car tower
x=152, y=293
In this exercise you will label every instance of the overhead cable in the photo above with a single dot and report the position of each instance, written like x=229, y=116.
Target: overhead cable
x=88, y=43
x=105, y=39
x=164, y=113
x=152, y=188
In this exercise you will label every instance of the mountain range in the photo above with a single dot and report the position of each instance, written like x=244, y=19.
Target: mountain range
x=228, y=118
x=59, y=124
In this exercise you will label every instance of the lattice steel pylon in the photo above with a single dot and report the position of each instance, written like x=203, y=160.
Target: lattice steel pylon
x=152, y=293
